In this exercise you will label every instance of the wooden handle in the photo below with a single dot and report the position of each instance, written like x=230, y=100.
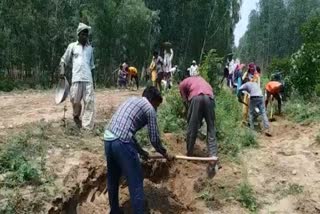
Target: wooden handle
x=182, y=157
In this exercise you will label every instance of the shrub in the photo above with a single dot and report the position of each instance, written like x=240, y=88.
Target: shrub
x=171, y=115
x=245, y=195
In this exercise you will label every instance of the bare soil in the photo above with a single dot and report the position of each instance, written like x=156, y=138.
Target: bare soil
x=284, y=171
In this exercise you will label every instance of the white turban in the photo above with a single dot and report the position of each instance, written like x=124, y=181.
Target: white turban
x=82, y=27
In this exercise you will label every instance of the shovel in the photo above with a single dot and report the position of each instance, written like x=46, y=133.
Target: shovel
x=182, y=157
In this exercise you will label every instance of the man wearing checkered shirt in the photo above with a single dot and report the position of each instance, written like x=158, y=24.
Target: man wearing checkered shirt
x=122, y=149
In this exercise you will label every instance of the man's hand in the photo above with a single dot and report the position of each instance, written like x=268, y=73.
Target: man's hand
x=169, y=157
x=62, y=71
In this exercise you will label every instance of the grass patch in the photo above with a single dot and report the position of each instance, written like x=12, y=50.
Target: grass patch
x=24, y=180
x=300, y=110
x=289, y=189
x=246, y=196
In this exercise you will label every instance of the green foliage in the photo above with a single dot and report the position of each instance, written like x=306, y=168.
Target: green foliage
x=210, y=68
x=6, y=85
x=171, y=115
x=305, y=74
x=303, y=111
x=245, y=195
x=35, y=34
x=232, y=136
x=19, y=161
x=267, y=34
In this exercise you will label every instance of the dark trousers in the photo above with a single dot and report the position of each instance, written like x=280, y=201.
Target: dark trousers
x=200, y=107
x=122, y=158
x=277, y=97
x=136, y=79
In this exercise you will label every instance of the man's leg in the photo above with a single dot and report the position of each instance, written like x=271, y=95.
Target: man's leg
x=278, y=98
x=137, y=81
x=130, y=164
x=89, y=107
x=113, y=177
x=267, y=99
x=209, y=116
x=252, y=105
x=260, y=105
x=194, y=119
x=76, y=95
x=245, y=108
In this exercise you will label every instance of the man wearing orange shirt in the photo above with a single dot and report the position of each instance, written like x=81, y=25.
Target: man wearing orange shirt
x=274, y=89
x=133, y=74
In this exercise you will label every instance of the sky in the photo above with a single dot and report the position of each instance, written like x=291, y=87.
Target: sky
x=241, y=27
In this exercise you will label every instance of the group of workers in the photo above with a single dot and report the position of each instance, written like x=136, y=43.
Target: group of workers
x=126, y=75
x=247, y=85
x=121, y=147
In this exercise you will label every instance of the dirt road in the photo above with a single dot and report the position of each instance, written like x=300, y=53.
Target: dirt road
x=285, y=170
x=19, y=108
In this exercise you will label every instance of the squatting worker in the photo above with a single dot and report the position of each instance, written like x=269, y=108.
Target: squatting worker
x=198, y=95
x=122, y=149
x=80, y=55
x=274, y=89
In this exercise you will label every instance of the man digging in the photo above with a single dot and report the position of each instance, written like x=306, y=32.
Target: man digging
x=122, y=149
x=80, y=54
x=198, y=96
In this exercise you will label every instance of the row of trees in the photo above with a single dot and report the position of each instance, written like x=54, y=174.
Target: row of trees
x=35, y=33
x=274, y=30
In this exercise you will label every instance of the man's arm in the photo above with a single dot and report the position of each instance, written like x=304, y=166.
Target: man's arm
x=239, y=94
x=93, y=67
x=65, y=59
x=144, y=154
x=154, y=133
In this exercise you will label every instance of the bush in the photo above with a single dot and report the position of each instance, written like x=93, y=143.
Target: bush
x=210, y=68
x=19, y=163
x=7, y=85
x=171, y=114
x=305, y=73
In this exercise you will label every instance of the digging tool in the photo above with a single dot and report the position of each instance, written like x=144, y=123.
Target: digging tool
x=182, y=157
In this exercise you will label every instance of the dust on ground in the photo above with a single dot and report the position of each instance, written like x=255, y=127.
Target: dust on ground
x=18, y=108
x=285, y=170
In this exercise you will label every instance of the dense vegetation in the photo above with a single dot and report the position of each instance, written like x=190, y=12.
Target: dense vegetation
x=34, y=34
x=284, y=36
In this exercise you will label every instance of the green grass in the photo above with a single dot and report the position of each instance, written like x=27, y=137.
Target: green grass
x=246, y=196
x=289, y=189
x=300, y=110
x=25, y=182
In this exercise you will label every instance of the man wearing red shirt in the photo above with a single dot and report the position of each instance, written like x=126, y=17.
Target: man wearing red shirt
x=198, y=94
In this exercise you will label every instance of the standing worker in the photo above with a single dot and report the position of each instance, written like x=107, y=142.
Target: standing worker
x=194, y=69
x=133, y=74
x=80, y=54
x=156, y=70
x=274, y=89
x=122, y=149
x=198, y=95
x=256, y=101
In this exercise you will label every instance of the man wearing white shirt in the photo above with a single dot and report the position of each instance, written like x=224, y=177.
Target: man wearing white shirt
x=80, y=55
x=193, y=69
